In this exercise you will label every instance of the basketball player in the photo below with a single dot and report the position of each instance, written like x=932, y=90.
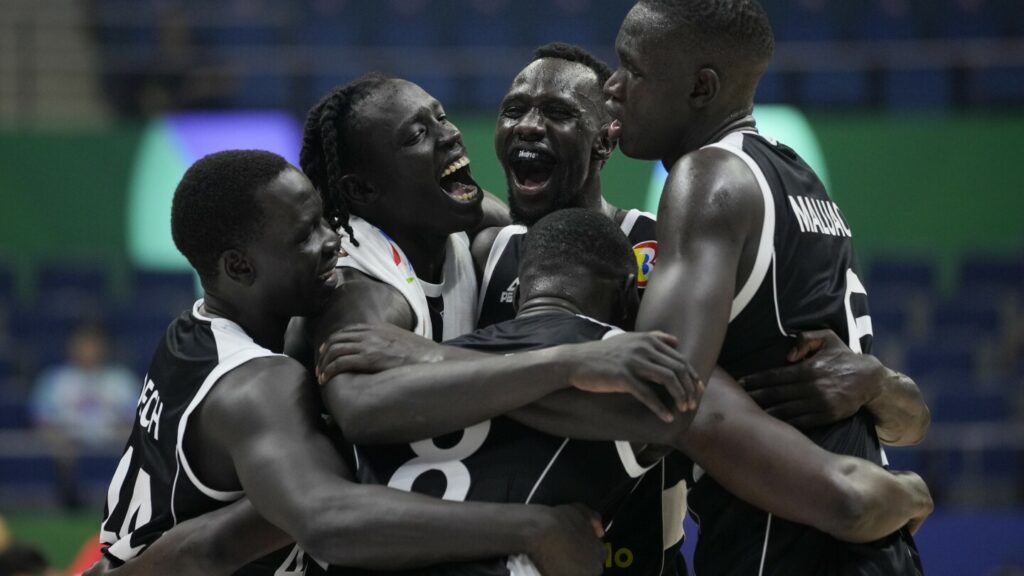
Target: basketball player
x=552, y=141
x=752, y=251
x=223, y=414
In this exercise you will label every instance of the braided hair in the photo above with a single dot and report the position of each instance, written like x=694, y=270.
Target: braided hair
x=324, y=157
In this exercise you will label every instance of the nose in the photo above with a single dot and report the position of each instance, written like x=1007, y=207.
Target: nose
x=332, y=241
x=530, y=126
x=450, y=136
x=613, y=86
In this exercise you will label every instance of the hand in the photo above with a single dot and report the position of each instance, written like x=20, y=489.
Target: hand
x=830, y=382
x=568, y=542
x=372, y=349
x=631, y=363
x=922, y=497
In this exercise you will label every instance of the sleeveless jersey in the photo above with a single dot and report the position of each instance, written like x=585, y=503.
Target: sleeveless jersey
x=154, y=486
x=500, y=460
x=804, y=278
x=500, y=276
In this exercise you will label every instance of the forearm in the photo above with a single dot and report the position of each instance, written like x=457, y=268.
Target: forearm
x=901, y=414
x=385, y=529
x=208, y=545
x=426, y=400
x=577, y=414
x=881, y=501
x=772, y=466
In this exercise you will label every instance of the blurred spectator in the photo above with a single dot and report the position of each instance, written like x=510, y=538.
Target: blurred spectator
x=88, y=403
x=24, y=560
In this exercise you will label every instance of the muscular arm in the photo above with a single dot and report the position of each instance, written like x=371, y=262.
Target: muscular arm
x=266, y=417
x=830, y=382
x=756, y=457
x=495, y=214
x=901, y=415
x=710, y=210
x=427, y=399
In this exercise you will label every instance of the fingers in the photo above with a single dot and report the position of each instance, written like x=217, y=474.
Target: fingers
x=666, y=338
x=775, y=377
x=774, y=395
x=342, y=364
x=648, y=398
x=811, y=342
x=669, y=380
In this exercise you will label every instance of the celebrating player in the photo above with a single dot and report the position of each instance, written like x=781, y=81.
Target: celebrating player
x=224, y=415
x=752, y=252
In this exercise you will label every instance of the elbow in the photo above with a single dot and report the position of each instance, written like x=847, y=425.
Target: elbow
x=319, y=533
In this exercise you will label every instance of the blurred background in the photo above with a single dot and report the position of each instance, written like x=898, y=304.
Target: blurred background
x=912, y=110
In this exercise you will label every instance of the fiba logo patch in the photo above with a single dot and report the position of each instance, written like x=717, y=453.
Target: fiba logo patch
x=646, y=254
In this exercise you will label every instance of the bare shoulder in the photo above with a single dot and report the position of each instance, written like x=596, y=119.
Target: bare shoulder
x=481, y=247
x=710, y=186
x=361, y=299
x=256, y=393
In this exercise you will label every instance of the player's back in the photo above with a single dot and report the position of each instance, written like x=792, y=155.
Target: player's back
x=500, y=460
x=154, y=486
x=804, y=278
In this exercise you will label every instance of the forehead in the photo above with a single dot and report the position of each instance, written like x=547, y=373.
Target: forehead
x=556, y=77
x=393, y=103
x=646, y=35
x=289, y=198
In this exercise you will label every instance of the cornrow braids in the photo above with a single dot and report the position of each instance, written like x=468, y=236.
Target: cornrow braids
x=324, y=157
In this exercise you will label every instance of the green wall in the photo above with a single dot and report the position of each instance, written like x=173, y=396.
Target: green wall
x=933, y=185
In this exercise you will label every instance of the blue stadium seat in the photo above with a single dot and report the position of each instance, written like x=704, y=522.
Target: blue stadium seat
x=97, y=469
x=838, y=88
x=943, y=356
x=986, y=271
x=918, y=89
x=72, y=289
x=904, y=458
x=14, y=413
x=970, y=406
x=887, y=273
x=967, y=314
x=7, y=287
x=26, y=470
x=135, y=335
x=167, y=293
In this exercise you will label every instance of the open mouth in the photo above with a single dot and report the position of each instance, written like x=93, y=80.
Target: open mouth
x=458, y=183
x=531, y=168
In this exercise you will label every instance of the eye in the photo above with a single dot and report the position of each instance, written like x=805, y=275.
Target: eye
x=415, y=138
x=512, y=111
x=558, y=113
x=442, y=117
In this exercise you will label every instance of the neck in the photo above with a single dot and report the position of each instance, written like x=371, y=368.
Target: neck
x=264, y=329
x=425, y=252
x=594, y=200
x=540, y=305
x=739, y=120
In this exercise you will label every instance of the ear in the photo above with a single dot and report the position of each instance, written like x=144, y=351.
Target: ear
x=237, y=266
x=357, y=191
x=706, y=87
x=603, y=144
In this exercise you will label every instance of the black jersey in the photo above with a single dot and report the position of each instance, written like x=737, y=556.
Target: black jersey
x=645, y=537
x=154, y=487
x=500, y=460
x=804, y=278
x=500, y=276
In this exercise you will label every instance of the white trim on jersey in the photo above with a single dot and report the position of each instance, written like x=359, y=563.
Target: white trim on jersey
x=545, y=472
x=234, y=348
x=673, y=510
x=630, y=220
x=764, y=549
x=628, y=457
x=766, y=246
x=497, y=249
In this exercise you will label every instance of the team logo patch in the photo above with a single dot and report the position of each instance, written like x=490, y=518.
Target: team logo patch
x=646, y=254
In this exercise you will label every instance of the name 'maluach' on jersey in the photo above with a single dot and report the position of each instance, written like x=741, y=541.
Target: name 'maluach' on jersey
x=819, y=216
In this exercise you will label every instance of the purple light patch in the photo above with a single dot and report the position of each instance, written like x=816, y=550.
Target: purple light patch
x=198, y=134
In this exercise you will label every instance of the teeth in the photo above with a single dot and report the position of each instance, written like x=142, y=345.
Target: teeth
x=460, y=163
x=465, y=196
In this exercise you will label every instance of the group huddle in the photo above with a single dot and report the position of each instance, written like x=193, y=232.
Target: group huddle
x=390, y=370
